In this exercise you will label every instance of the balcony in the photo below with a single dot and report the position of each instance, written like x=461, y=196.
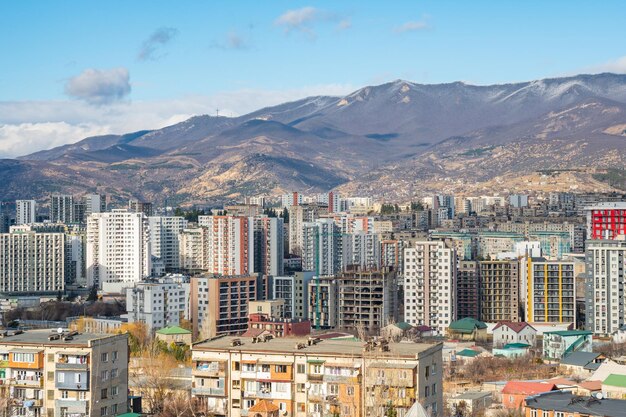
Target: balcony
x=32, y=382
x=217, y=392
x=73, y=366
x=315, y=377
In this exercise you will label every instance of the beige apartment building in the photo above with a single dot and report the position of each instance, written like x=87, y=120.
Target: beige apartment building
x=49, y=373
x=307, y=377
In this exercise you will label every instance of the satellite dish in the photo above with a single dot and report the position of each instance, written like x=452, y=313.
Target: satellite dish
x=60, y=330
x=599, y=396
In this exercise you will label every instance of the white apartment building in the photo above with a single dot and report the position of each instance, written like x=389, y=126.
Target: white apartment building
x=192, y=249
x=605, y=266
x=157, y=304
x=26, y=211
x=32, y=261
x=298, y=215
x=94, y=203
x=362, y=249
x=322, y=247
x=430, y=285
x=164, y=239
x=229, y=244
x=118, y=247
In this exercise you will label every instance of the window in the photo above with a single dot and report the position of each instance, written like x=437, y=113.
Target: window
x=301, y=387
x=64, y=394
x=317, y=369
x=426, y=391
x=333, y=389
x=114, y=409
x=82, y=395
x=114, y=355
x=434, y=389
x=533, y=413
x=114, y=391
x=104, y=375
x=61, y=377
x=236, y=366
x=103, y=411
x=78, y=378
x=236, y=383
x=427, y=371
x=24, y=357
x=104, y=357
x=51, y=376
x=350, y=390
x=280, y=369
x=104, y=393
x=301, y=368
x=114, y=373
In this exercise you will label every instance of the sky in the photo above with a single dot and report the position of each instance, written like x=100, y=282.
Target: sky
x=72, y=69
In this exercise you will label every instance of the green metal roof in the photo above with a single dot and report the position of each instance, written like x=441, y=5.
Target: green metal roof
x=129, y=415
x=403, y=325
x=173, y=330
x=468, y=352
x=615, y=380
x=516, y=346
x=570, y=333
x=467, y=325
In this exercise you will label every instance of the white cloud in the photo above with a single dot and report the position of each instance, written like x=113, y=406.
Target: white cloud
x=97, y=86
x=232, y=40
x=412, y=26
x=30, y=126
x=298, y=19
x=151, y=46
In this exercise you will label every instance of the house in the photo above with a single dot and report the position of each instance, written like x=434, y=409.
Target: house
x=607, y=368
x=561, y=403
x=514, y=393
x=559, y=344
x=469, y=354
x=174, y=334
x=397, y=331
x=614, y=386
x=468, y=329
x=512, y=350
x=582, y=363
x=507, y=332
x=620, y=335
x=585, y=388
x=470, y=402
x=259, y=324
x=264, y=408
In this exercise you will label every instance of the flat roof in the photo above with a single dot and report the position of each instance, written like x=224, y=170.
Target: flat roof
x=40, y=338
x=570, y=403
x=472, y=395
x=330, y=347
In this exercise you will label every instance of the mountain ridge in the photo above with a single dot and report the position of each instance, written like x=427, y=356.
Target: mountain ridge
x=397, y=130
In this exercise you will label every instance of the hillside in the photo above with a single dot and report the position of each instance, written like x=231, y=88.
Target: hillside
x=392, y=140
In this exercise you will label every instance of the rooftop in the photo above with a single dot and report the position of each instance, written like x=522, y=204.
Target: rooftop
x=515, y=326
x=570, y=403
x=527, y=388
x=566, y=333
x=170, y=330
x=330, y=347
x=579, y=358
x=470, y=353
x=615, y=380
x=472, y=395
x=40, y=338
x=467, y=325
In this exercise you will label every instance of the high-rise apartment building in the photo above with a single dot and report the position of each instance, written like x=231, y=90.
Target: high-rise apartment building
x=291, y=199
x=302, y=377
x=26, y=211
x=367, y=299
x=219, y=304
x=137, y=206
x=430, y=285
x=323, y=302
x=606, y=220
x=61, y=208
x=551, y=291
x=294, y=290
x=192, y=249
x=157, y=304
x=32, y=261
x=361, y=249
x=322, y=246
x=500, y=291
x=268, y=245
x=94, y=203
x=298, y=215
x=118, y=247
x=165, y=240
x=605, y=282
x=229, y=244
x=468, y=290
x=65, y=373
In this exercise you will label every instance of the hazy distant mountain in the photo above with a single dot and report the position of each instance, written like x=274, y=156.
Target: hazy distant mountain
x=394, y=139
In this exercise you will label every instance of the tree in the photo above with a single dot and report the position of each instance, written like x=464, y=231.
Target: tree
x=151, y=379
x=285, y=215
x=93, y=293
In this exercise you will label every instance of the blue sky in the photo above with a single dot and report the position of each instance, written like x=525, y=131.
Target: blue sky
x=75, y=68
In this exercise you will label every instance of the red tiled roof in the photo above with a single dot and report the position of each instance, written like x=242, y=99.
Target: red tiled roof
x=515, y=326
x=527, y=388
x=591, y=385
x=263, y=406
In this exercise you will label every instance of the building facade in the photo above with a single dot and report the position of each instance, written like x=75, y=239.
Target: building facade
x=606, y=220
x=118, y=247
x=500, y=290
x=303, y=377
x=26, y=212
x=429, y=285
x=294, y=290
x=229, y=244
x=157, y=304
x=551, y=296
x=65, y=374
x=165, y=239
x=468, y=290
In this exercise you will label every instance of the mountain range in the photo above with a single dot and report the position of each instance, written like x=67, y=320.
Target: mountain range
x=393, y=140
